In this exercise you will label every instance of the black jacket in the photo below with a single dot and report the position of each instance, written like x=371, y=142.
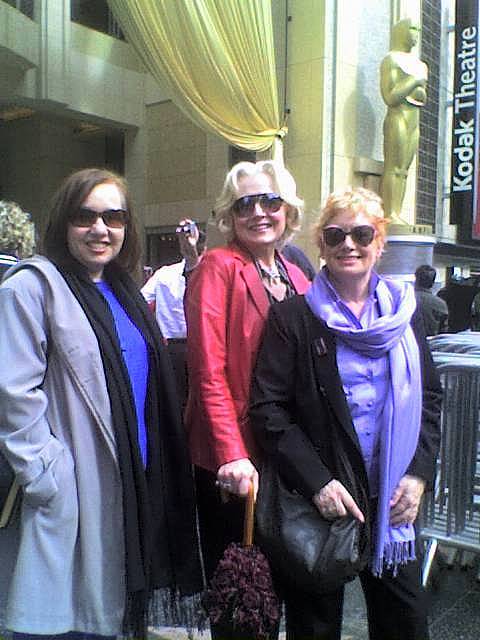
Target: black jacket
x=298, y=398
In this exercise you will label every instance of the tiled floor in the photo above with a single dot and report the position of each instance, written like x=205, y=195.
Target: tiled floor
x=455, y=605
x=455, y=608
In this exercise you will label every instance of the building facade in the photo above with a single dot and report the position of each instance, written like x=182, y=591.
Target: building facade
x=73, y=94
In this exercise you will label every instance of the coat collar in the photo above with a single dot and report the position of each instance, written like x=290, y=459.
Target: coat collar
x=78, y=349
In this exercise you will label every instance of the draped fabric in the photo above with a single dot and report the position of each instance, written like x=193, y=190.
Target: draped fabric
x=217, y=61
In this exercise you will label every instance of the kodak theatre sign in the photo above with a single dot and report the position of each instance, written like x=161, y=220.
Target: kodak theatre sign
x=465, y=204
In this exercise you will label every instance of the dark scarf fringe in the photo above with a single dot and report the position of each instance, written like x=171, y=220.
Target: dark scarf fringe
x=135, y=622
x=168, y=608
x=160, y=546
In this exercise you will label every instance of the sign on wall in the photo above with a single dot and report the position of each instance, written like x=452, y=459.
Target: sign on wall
x=465, y=197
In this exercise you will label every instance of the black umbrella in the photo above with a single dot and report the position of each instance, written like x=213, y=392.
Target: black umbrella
x=241, y=593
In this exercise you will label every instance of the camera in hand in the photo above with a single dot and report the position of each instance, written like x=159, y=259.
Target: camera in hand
x=188, y=227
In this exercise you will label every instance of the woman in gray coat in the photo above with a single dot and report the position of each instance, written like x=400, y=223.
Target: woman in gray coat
x=90, y=424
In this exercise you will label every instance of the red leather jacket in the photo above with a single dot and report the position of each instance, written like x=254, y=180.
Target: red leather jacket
x=226, y=308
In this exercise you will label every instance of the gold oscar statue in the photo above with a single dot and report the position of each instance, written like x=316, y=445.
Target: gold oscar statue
x=403, y=78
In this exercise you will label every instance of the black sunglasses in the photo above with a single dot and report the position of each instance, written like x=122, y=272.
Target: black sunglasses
x=113, y=218
x=245, y=206
x=363, y=234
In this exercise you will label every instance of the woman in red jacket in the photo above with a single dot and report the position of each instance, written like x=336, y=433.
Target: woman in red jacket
x=228, y=297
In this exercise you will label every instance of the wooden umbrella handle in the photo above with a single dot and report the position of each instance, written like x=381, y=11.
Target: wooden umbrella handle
x=249, y=517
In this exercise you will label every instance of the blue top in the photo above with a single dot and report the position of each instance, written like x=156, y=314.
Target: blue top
x=365, y=382
x=135, y=356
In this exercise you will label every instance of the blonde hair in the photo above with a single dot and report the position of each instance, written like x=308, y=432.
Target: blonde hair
x=17, y=231
x=355, y=200
x=283, y=185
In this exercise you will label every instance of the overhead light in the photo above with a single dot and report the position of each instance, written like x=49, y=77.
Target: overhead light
x=86, y=129
x=15, y=113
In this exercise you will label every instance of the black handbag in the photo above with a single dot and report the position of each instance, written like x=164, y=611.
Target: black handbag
x=316, y=555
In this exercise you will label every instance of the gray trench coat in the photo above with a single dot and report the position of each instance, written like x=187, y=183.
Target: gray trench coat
x=63, y=561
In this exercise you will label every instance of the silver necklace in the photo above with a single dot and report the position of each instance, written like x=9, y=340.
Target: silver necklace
x=271, y=273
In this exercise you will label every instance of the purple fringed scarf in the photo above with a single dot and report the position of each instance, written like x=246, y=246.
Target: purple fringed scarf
x=392, y=335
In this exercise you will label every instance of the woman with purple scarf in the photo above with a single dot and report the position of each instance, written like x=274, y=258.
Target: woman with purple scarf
x=350, y=359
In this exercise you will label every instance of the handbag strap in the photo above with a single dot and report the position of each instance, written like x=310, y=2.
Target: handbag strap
x=249, y=517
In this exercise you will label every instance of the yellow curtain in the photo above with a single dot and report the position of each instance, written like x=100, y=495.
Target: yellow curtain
x=216, y=59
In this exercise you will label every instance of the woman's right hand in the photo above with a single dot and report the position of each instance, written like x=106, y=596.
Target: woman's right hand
x=334, y=501
x=236, y=476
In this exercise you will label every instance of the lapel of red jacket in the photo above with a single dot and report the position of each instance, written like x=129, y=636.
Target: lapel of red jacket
x=255, y=285
x=256, y=288
x=251, y=278
x=297, y=277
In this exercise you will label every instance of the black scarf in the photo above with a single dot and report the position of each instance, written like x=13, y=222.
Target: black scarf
x=158, y=502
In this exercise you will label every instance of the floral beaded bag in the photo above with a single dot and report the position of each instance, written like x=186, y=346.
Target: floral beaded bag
x=241, y=594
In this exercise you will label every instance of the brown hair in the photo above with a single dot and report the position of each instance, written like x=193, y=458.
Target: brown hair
x=67, y=201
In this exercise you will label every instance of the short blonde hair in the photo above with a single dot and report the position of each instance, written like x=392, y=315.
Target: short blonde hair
x=17, y=231
x=283, y=185
x=356, y=200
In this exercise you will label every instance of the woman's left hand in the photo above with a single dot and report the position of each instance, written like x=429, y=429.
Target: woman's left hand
x=406, y=500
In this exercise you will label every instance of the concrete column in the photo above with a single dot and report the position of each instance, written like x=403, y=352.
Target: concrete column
x=53, y=17
x=404, y=253
x=136, y=170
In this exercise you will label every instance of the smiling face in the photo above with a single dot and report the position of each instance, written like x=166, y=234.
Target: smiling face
x=349, y=261
x=260, y=231
x=97, y=245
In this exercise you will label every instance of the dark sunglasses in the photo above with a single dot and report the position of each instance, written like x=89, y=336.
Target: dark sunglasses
x=245, y=206
x=113, y=218
x=363, y=234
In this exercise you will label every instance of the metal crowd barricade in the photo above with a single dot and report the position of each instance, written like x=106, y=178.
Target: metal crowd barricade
x=451, y=513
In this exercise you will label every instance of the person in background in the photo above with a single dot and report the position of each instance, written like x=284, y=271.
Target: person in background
x=459, y=293
x=433, y=310
x=475, y=312
x=227, y=301
x=350, y=356
x=17, y=235
x=147, y=273
x=296, y=256
x=165, y=292
x=89, y=422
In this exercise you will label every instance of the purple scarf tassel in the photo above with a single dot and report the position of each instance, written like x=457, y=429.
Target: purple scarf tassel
x=394, y=555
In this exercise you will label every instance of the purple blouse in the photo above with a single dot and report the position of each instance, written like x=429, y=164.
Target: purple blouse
x=365, y=383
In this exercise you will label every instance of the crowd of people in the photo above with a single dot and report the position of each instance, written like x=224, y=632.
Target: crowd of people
x=130, y=415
